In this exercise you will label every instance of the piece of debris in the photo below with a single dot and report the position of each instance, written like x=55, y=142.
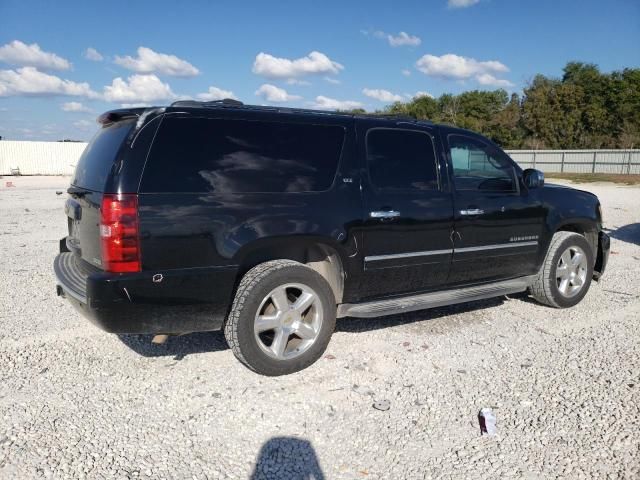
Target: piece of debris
x=382, y=405
x=58, y=192
x=159, y=339
x=9, y=184
x=362, y=390
x=406, y=344
x=487, y=421
x=329, y=357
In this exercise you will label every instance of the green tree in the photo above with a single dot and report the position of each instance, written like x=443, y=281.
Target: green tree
x=585, y=108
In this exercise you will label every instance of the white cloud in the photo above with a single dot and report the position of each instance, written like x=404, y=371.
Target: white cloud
x=332, y=80
x=455, y=66
x=295, y=81
x=382, y=95
x=93, y=54
x=403, y=38
x=422, y=94
x=399, y=40
x=327, y=103
x=462, y=68
x=461, y=3
x=215, y=93
x=271, y=93
x=75, y=107
x=134, y=105
x=28, y=81
x=275, y=67
x=149, y=61
x=405, y=72
x=18, y=53
x=488, y=79
x=136, y=89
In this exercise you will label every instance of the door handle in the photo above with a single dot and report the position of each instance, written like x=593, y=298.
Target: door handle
x=384, y=214
x=472, y=211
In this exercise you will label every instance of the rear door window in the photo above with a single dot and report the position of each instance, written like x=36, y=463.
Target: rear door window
x=95, y=163
x=401, y=160
x=241, y=156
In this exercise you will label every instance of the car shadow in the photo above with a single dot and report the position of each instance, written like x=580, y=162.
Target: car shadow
x=628, y=233
x=287, y=457
x=204, y=342
x=176, y=346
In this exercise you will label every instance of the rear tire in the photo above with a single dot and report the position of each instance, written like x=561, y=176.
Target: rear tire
x=282, y=318
x=565, y=275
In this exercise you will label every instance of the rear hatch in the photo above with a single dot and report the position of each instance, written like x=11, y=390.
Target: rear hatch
x=87, y=189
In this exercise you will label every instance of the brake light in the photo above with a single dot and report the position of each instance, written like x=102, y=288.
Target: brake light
x=119, y=233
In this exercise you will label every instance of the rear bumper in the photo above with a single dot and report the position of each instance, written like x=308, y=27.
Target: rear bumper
x=604, y=246
x=178, y=301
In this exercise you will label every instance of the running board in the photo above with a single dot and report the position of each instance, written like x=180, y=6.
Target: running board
x=394, y=306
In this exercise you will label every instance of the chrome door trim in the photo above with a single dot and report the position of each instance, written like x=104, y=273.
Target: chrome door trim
x=496, y=246
x=374, y=258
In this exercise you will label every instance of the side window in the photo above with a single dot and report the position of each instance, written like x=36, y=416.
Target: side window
x=239, y=156
x=477, y=166
x=401, y=160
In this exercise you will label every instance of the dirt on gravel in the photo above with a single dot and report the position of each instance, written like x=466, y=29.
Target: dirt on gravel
x=394, y=397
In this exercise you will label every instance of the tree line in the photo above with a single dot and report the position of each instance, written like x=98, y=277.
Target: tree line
x=582, y=110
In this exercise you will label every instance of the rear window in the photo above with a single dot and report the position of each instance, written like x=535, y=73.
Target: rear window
x=199, y=155
x=401, y=160
x=97, y=159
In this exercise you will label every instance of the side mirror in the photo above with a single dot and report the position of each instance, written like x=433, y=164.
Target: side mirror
x=533, y=178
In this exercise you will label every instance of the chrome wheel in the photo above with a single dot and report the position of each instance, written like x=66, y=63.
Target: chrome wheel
x=288, y=321
x=571, y=271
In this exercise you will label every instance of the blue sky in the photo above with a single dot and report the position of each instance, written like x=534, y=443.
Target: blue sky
x=325, y=54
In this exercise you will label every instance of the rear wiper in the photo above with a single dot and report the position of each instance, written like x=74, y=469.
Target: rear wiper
x=77, y=192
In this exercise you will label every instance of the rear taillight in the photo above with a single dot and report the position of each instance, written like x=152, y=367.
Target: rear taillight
x=119, y=233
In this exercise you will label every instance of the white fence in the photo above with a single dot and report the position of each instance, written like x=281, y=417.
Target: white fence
x=39, y=158
x=579, y=161
x=60, y=158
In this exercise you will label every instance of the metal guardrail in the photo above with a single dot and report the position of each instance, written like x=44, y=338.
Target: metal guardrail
x=579, y=161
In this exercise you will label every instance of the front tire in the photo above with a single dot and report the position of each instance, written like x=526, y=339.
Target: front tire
x=282, y=318
x=565, y=275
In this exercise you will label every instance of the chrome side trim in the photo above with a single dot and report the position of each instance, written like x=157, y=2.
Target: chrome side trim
x=393, y=306
x=375, y=258
x=496, y=246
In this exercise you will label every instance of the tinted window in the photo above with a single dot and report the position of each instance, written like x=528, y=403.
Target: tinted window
x=478, y=166
x=97, y=159
x=239, y=156
x=401, y=160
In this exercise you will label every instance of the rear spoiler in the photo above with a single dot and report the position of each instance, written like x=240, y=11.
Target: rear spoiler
x=113, y=116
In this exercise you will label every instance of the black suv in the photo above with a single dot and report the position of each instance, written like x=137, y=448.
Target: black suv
x=269, y=223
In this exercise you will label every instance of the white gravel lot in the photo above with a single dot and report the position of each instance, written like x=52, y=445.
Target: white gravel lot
x=79, y=403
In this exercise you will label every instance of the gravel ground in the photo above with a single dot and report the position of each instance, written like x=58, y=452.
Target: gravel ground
x=79, y=403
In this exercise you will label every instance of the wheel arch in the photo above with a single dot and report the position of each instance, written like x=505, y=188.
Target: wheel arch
x=582, y=226
x=317, y=253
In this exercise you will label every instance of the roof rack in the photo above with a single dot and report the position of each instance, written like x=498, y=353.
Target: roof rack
x=236, y=104
x=195, y=103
